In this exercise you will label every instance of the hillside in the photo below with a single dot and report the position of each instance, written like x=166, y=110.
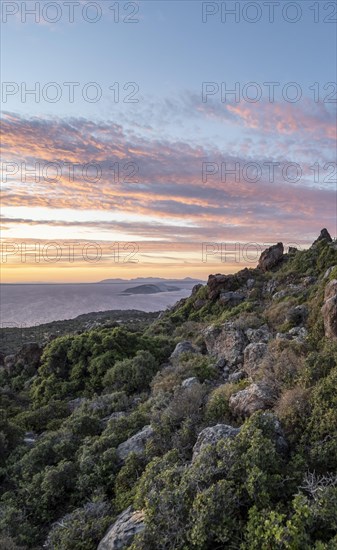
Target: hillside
x=213, y=427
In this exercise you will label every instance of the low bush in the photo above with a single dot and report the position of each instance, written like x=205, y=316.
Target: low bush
x=217, y=408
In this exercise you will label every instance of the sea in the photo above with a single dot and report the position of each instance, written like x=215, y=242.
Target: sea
x=25, y=305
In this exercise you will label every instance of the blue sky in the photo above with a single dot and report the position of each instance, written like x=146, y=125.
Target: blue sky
x=169, y=52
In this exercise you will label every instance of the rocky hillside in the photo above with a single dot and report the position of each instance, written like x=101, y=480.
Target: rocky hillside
x=213, y=427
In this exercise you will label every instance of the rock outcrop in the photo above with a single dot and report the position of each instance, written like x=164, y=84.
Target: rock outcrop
x=135, y=444
x=323, y=236
x=27, y=359
x=252, y=357
x=196, y=289
x=189, y=382
x=290, y=290
x=329, y=271
x=254, y=398
x=329, y=309
x=217, y=283
x=298, y=333
x=257, y=335
x=231, y=298
x=221, y=284
x=226, y=342
x=120, y=535
x=199, y=303
x=297, y=315
x=211, y=436
x=271, y=257
x=182, y=347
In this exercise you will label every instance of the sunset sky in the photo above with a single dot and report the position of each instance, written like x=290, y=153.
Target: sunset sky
x=130, y=133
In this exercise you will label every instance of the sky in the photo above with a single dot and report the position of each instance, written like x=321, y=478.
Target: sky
x=163, y=138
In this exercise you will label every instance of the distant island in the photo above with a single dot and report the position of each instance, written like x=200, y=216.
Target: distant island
x=35, y=304
x=150, y=289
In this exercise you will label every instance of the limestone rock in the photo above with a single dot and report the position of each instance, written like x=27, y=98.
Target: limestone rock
x=329, y=310
x=182, y=347
x=27, y=359
x=188, y=382
x=219, y=283
x=120, y=535
x=323, y=236
x=250, y=283
x=271, y=257
x=253, y=356
x=254, y=398
x=135, y=444
x=236, y=376
x=199, y=303
x=283, y=336
x=269, y=287
x=231, y=298
x=196, y=288
x=261, y=334
x=329, y=271
x=330, y=289
x=211, y=435
x=290, y=290
x=227, y=342
x=298, y=333
x=297, y=315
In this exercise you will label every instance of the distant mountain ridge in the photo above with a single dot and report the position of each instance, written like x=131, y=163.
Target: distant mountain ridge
x=151, y=280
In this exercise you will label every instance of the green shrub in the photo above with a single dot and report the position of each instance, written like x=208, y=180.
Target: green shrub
x=74, y=366
x=217, y=408
x=197, y=365
x=82, y=529
x=39, y=420
x=178, y=422
x=320, y=436
x=132, y=375
x=126, y=481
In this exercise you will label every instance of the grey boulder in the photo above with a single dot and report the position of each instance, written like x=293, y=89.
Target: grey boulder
x=121, y=534
x=211, y=436
x=254, y=398
x=135, y=444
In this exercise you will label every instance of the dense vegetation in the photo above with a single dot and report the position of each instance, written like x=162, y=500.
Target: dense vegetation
x=272, y=486
x=14, y=336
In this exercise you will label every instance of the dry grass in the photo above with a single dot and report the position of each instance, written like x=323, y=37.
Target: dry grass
x=276, y=313
x=282, y=366
x=293, y=408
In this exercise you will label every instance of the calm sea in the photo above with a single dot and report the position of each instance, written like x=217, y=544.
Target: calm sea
x=31, y=304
